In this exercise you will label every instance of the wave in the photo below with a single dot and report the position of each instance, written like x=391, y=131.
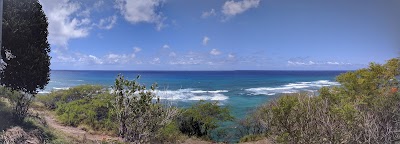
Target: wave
x=292, y=87
x=191, y=94
x=201, y=91
x=61, y=88
x=43, y=92
x=77, y=80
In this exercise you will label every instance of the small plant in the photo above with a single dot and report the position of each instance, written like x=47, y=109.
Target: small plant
x=201, y=118
x=140, y=117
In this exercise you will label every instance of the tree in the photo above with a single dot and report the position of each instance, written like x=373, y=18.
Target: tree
x=201, y=118
x=139, y=116
x=25, y=50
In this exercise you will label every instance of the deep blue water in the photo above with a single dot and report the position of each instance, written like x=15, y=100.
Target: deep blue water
x=242, y=91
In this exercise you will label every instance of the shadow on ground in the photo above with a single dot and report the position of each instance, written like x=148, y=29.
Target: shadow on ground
x=6, y=120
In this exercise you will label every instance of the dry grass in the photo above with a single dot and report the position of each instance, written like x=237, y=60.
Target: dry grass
x=6, y=121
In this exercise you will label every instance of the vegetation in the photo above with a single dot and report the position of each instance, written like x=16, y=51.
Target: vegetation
x=201, y=118
x=364, y=109
x=94, y=112
x=32, y=128
x=88, y=106
x=25, y=50
x=133, y=112
x=170, y=134
x=56, y=98
x=139, y=117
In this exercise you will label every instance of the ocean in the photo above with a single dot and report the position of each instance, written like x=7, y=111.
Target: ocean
x=241, y=91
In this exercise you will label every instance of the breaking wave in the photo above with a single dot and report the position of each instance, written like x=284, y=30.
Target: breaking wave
x=292, y=87
x=60, y=88
x=191, y=94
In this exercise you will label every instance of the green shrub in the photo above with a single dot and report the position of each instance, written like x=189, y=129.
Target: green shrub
x=251, y=138
x=139, y=116
x=95, y=112
x=170, y=133
x=364, y=109
x=64, y=96
x=8, y=93
x=201, y=118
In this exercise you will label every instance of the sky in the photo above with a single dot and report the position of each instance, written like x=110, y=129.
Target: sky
x=221, y=34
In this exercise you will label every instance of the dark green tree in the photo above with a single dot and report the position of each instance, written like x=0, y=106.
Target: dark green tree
x=25, y=50
x=203, y=117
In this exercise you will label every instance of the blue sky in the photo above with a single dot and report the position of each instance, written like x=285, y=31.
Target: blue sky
x=221, y=34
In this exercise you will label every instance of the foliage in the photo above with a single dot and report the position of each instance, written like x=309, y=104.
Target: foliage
x=170, y=134
x=8, y=93
x=25, y=37
x=202, y=117
x=84, y=105
x=25, y=50
x=364, y=109
x=139, y=117
x=64, y=96
x=95, y=112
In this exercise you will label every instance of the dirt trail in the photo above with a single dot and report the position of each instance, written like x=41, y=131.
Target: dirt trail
x=73, y=131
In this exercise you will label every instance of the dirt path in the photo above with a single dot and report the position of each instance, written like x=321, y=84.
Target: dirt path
x=73, y=131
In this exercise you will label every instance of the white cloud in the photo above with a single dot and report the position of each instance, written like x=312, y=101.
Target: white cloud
x=205, y=40
x=190, y=61
x=118, y=59
x=107, y=23
x=215, y=52
x=333, y=63
x=165, y=46
x=155, y=61
x=133, y=55
x=98, y=4
x=231, y=56
x=208, y=13
x=172, y=54
x=309, y=63
x=65, y=59
x=137, y=49
x=137, y=11
x=88, y=59
x=196, y=58
x=232, y=8
x=84, y=13
x=297, y=63
x=112, y=56
x=63, y=24
x=191, y=58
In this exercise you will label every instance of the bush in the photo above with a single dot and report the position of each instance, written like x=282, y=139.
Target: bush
x=364, y=109
x=201, y=118
x=170, y=134
x=8, y=93
x=139, y=116
x=95, y=112
x=75, y=93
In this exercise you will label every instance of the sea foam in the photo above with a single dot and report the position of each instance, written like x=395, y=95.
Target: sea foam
x=291, y=87
x=191, y=94
x=61, y=88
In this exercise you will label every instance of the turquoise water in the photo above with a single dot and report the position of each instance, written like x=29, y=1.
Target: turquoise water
x=242, y=91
